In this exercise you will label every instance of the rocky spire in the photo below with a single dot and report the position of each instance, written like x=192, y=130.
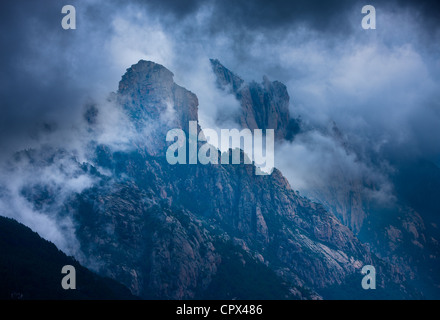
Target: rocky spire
x=149, y=94
x=263, y=106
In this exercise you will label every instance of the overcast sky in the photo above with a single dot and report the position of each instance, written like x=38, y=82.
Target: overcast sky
x=381, y=87
x=382, y=83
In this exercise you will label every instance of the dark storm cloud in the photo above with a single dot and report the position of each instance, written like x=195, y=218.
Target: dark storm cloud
x=380, y=87
x=328, y=15
x=429, y=9
x=32, y=80
x=177, y=8
x=49, y=73
x=322, y=15
x=46, y=72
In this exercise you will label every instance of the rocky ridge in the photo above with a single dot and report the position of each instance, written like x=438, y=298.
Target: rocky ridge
x=162, y=229
x=203, y=231
x=403, y=233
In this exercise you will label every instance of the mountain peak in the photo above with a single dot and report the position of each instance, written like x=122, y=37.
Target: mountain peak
x=263, y=105
x=153, y=100
x=225, y=77
x=143, y=74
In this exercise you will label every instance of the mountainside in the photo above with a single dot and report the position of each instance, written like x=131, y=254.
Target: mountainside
x=203, y=231
x=30, y=268
x=404, y=233
x=162, y=228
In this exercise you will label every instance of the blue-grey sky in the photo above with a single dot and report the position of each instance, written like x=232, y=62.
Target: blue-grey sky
x=316, y=47
x=380, y=87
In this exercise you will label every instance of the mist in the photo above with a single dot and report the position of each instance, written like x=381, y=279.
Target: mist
x=379, y=87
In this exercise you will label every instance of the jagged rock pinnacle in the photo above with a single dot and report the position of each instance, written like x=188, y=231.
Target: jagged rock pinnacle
x=263, y=106
x=149, y=94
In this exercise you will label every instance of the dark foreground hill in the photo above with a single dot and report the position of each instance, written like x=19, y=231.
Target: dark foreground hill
x=30, y=268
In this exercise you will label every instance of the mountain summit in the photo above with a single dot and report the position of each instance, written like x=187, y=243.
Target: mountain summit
x=202, y=231
x=195, y=231
x=263, y=106
x=148, y=93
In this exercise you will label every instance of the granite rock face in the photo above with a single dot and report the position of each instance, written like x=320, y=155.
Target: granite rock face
x=204, y=231
x=403, y=233
x=263, y=106
x=148, y=92
x=187, y=231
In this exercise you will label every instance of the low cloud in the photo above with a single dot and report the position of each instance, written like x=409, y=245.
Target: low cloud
x=35, y=186
x=380, y=87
